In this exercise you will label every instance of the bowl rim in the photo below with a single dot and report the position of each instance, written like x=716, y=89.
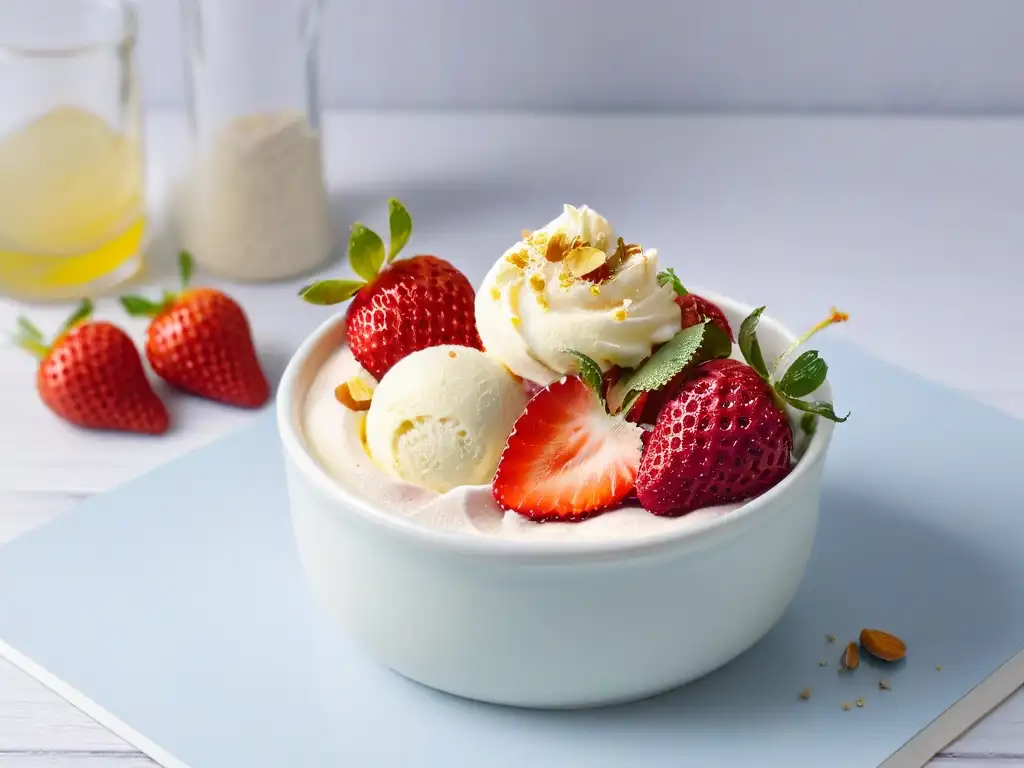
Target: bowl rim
x=555, y=552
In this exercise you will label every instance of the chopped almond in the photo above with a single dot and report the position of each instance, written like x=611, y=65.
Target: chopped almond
x=354, y=394
x=583, y=261
x=851, y=657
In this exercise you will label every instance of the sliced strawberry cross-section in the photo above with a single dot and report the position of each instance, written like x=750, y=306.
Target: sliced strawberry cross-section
x=567, y=459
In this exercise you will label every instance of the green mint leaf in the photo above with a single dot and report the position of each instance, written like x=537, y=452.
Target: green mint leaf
x=749, y=345
x=805, y=375
x=186, y=266
x=400, y=224
x=818, y=408
x=809, y=424
x=328, y=292
x=27, y=330
x=137, y=306
x=82, y=311
x=671, y=358
x=716, y=344
x=365, y=252
x=590, y=372
x=668, y=277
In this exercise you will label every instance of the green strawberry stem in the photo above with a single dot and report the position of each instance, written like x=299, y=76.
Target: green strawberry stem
x=834, y=317
x=140, y=306
x=28, y=337
x=669, y=277
x=802, y=378
x=367, y=257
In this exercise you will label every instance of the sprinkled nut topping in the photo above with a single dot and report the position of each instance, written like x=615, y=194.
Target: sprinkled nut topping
x=595, y=290
x=542, y=302
x=583, y=261
x=556, y=248
x=518, y=259
x=354, y=394
x=537, y=283
x=619, y=314
x=495, y=294
x=805, y=693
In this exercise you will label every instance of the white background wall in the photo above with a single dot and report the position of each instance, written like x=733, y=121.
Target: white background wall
x=864, y=55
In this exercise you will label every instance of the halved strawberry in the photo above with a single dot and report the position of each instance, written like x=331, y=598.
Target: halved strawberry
x=567, y=459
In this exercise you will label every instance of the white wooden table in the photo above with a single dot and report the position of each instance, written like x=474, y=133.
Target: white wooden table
x=914, y=226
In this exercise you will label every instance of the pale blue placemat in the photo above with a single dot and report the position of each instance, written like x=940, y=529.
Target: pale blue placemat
x=176, y=604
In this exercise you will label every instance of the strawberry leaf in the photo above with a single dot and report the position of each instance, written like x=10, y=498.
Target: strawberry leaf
x=82, y=311
x=670, y=359
x=328, y=292
x=749, y=345
x=809, y=424
x=668, y=277
x=139, y=306
x=186, y=266
x=805, y=375
x=400, y=224
x=29, y=338
x=816, y=407
x=27, y=330
x=590, y=372
x=365, y=252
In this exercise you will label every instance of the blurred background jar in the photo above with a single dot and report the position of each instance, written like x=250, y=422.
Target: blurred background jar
x=72, y=213
x=255, y=205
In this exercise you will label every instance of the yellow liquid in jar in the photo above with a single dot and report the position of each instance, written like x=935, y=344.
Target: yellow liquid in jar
x=71, y=205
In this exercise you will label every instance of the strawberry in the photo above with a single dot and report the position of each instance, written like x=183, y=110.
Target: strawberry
x=695, y=308
x=199, y=341
x=725, y=436
x=567, y=459
x=399, y=307
x=92, y=376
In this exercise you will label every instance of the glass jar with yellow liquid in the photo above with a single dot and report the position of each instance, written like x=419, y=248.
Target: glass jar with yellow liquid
x=72, y=211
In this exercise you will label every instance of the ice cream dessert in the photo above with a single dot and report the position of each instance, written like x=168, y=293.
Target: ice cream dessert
x=581, y=393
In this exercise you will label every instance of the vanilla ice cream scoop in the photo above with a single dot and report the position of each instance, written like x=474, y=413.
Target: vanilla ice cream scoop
x=440, y=417
x=535, y=303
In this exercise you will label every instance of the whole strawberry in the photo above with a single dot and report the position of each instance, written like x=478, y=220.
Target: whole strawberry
x=92, y=376
x=399, y=307
x=199, y=341
x=725, y=436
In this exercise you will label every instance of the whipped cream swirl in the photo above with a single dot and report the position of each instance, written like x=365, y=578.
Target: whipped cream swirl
x=533, y=304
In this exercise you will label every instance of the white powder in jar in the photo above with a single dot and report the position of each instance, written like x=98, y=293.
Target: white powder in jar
x=255, y=206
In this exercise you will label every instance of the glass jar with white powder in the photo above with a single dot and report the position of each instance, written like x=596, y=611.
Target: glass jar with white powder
x=255, y=205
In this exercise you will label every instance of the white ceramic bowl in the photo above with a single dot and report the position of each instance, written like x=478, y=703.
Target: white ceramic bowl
x=547, y=624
